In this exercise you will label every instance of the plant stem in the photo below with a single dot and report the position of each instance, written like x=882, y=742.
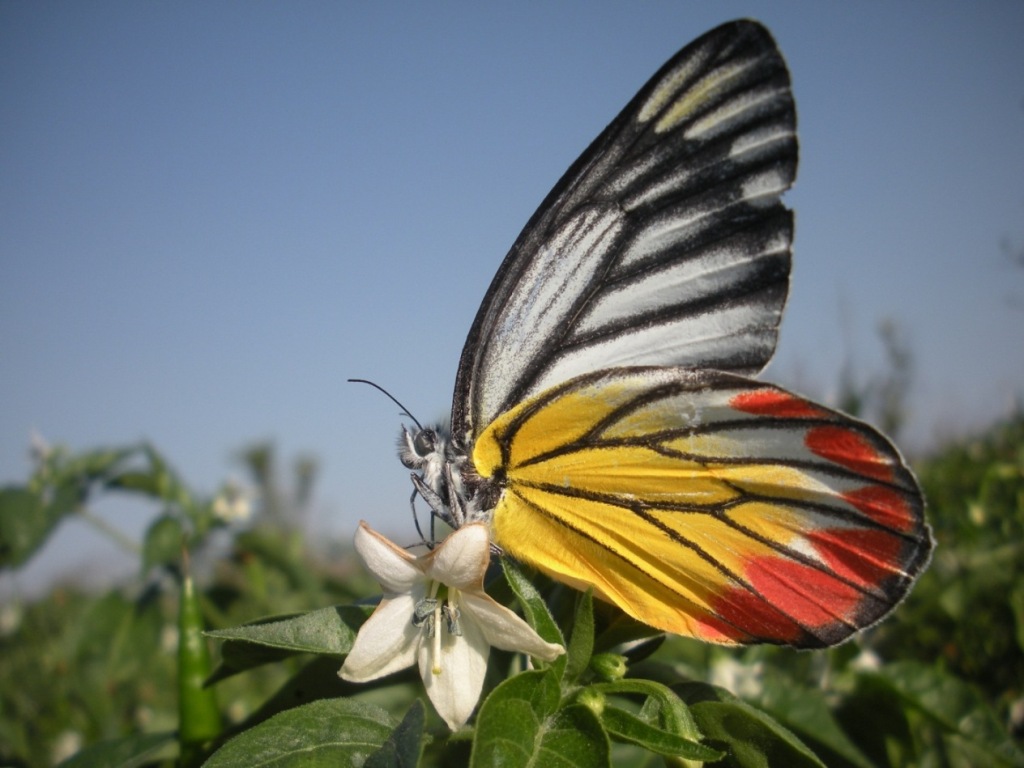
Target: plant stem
x=120, y=538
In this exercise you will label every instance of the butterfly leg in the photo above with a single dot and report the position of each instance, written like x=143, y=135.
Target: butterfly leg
x=416, y=521
x=434, y=501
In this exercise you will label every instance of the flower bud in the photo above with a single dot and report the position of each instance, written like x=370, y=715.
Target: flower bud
x=608, y=666
x=592, y=700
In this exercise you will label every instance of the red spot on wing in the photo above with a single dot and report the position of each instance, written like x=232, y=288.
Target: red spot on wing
x=810, y=596
x=743, y=617
x=849, y=449
x=773, y=402
x=883, y=505
x=786, y=600
x=862, y=556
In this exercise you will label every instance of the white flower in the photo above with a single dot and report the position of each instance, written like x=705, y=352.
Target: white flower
x=39, y=449
x=436, y=614
x=66, y=744
x=232, y=503
x=866, y=661
x=10, y=619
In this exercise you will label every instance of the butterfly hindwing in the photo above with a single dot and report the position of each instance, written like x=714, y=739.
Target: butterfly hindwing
x=664, y=244
x=708, y=504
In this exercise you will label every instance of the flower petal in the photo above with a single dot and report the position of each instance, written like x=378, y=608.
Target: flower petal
x=463, y=665
x=503, y=629
x=386, y=643
x=395, y=569
x=461, y=560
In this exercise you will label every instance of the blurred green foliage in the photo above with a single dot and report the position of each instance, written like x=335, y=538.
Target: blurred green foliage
x=78, y=668
x=966, y=615
x=939, y=683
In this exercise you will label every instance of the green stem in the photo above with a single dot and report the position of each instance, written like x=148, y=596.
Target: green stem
x=199, y=719
x=120, y=538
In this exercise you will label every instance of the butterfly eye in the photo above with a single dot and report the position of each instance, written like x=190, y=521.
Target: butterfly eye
x=425, y=442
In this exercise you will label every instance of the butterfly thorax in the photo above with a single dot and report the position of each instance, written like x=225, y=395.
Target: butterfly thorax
x=446, y=480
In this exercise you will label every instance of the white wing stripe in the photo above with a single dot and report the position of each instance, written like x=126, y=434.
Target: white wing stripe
x=548, y=292
x=715, y=339
x=764, y=189
x=761, y=142
x=688, y=225
x=688, y=282
x=742, y=108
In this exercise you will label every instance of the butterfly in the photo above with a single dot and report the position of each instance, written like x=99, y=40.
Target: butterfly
x=605, y=422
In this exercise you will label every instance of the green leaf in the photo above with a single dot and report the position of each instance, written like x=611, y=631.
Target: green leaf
x=673, y=712
x=751, y=737
x=68, y=481
x=157, y=481
x=279, y=552
x=955, y=706
x=99, y=464
x=318, y=680
x=127, y=752
x=1017, y=606
x=327, y=631
x=534, y=607
x=521, y=724
x=25, y=524
x=72, y=479
x=163, y=541
x=65, y=498
x=322, y=734
x=877, y=721
x=405, y=744
x=806, y=711
x=237, y=656
x=581, y=643
x=623, y=726
x=144, y=483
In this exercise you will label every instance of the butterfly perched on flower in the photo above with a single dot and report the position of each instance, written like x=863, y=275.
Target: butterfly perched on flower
x=605, y=424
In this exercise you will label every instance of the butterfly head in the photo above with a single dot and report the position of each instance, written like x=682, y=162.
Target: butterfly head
x=424, y=449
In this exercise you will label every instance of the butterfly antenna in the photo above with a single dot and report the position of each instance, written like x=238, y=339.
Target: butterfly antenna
x=393, y=399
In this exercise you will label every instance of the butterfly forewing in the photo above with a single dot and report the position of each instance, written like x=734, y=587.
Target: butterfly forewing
x=708, y=504
x=664, y=244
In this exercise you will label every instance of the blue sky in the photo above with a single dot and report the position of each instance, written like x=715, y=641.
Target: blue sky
x=212, y=215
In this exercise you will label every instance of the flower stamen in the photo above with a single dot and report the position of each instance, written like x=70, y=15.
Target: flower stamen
x=423, y=613
x=436, y=625
x=451, y=612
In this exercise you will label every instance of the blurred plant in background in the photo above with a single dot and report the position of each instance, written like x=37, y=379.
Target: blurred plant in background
x=882, y=399
x=77, y=667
